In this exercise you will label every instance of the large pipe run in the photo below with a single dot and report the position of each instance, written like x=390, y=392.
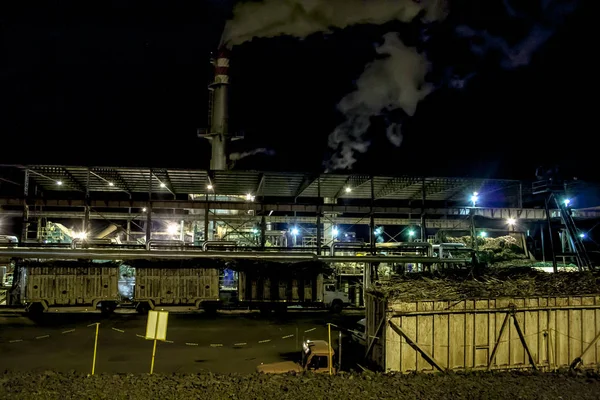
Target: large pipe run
x=100, y=254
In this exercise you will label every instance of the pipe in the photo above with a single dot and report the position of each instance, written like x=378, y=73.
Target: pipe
x=111, y=228
x=166, y=242
x=350, y=245
x=414, y=245
x=101, y=254
x=220, y=243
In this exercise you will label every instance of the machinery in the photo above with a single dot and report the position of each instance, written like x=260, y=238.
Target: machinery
x=317, y=356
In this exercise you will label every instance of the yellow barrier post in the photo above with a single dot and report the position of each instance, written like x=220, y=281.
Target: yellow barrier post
x=330, y=355
x=95, y=348
x=154, y=350
x=156, y=329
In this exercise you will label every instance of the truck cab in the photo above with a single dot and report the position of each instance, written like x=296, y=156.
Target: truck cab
x=316, y=357
x=334, y=299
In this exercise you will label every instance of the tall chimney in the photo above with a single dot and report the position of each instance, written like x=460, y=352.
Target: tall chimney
x=219, y=113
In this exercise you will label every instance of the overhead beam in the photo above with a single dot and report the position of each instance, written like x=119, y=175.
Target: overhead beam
x=494, y=213
x=353, y=182
x=162, y=176
x=307, y=181
x=58, y=215
x=111, y=176
x=395, y=185
x=260, y=185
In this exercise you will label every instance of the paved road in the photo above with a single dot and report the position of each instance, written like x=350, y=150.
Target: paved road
x=222, y=344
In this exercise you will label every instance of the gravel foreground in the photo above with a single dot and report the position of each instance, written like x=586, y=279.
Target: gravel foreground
x=50, y=385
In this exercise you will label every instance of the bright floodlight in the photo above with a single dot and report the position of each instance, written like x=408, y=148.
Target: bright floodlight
x=162, y=185
x=254, y=230
x=295, y=231
x=209, y=187
x=475, y=198
x=249, y=197
x=378, y=231
x=144, y=209
x=80, y=235
x=348, y=189
x=567, y=202
x=483, y=234
x=582, y=235
x=511, y=221
x=111, y=184
x=335, y=232
x=172, y=229
x=59, y=183
x=411, y=233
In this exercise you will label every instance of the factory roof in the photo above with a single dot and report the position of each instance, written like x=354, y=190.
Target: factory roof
x=56, y=178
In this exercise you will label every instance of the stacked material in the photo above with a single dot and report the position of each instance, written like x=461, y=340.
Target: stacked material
x=491, y=283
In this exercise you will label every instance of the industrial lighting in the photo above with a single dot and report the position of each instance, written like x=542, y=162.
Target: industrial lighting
x=582, y=235
x=162, y=185
x=249, y=197
x=254, y=230
x=348, y=189
x=144, y=209
x=411, y=233
x=511, y=221
x=111, y=184
x=59, y=183
x=335, y=232
x=475, y=198
x=295, y=231
x=209, y=187
x=378, y=231
x=567, y=202
x=172, y=229
x=483, y=234
x=79, y=235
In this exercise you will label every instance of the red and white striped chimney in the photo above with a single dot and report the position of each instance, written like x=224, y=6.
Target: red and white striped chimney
x=222, y=66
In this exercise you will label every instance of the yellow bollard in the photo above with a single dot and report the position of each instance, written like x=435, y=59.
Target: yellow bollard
x=153, y=354
x=95, y=349
x=330, y=355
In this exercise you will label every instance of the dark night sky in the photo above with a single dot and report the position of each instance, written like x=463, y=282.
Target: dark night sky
x=124, y=83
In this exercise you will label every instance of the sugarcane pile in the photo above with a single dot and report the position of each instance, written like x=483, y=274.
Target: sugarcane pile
x=493, y=250
x=491, y=283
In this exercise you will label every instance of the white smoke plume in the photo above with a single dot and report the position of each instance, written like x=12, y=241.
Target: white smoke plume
x=391, y=83
x=301, y=18
x=239, y=156
x=519, y=54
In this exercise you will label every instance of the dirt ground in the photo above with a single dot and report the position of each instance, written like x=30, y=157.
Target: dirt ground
x=51, y=385
x=227, y=343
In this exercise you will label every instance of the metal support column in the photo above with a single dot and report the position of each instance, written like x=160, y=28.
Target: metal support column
x=319, y=213
x=543, y=244
x=25, y=227
x=206, y=220
x=423, y=218
x=520, y=199
x=149, y=210
x=128, y=231
x=372, y=218
x=86, y=215
x=263, y=231
x=554, y=265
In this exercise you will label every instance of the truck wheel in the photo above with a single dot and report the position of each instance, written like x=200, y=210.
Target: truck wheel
x=107, y=307
x=210, y=309
x=143, y=308
x=35, y=310
x=337, y=306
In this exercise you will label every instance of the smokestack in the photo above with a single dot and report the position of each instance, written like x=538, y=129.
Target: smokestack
x=218, y=111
